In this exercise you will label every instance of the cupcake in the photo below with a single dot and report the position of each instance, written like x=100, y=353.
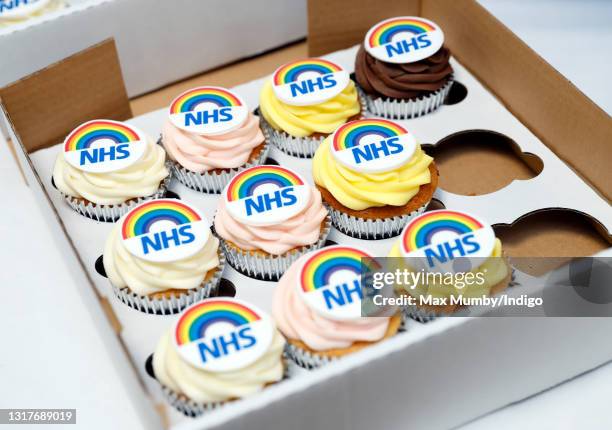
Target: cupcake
x=268, y=216
x=219, y=350
x=403, y=68
x=461, y=257
x=210, y=135
x=374, y=177
x=304, y=102
x=317, y=306
x=16, y=12
x=161, y=257
x=108, y=167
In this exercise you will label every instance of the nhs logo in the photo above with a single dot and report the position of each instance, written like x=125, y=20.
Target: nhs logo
x=373, y=153
x=312, y=89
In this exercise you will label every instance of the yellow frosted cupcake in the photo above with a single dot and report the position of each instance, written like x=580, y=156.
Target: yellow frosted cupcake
x=304, y=102
x=374, y=177
x=456, y=255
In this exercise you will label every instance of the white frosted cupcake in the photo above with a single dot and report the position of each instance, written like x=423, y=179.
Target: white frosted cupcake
x=107, y=167
x=196, y=375
x=210, y=135
x=16, y=12
x=161, y=257
x=267, y=217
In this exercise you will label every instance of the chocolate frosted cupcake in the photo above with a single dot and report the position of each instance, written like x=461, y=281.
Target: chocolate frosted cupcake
x=403, y=68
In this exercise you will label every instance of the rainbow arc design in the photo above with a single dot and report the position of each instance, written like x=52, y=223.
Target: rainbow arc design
x=385, y=31
x=420, y=232
x=140, y=220
x=291, y=72
x=320, y=267
x=189, y=100
x=350, y=134
x=85, y=135
x=245, y=183
x=196, y=320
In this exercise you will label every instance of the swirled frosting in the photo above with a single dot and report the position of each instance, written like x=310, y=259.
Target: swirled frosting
x=140, y=179
x=302, y=229
x=200, y=153
x=402, y=81
x=145, y=277
x=301, y=121
x=296, y=320
x=204, y=386
x=52, y=6
x=493, y=270
x=360, y=191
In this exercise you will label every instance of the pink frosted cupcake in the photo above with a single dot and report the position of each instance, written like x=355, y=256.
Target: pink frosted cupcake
x=210, y=135
x=319, y=330
x=268, y=216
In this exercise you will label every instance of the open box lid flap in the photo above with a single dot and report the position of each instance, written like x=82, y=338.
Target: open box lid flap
x=569, y=123
x=45, y=106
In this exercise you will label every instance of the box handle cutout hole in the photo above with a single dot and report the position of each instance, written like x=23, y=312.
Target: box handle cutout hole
x=99, y=266
x=226, y=288
x=458, y=92
x=172, y=195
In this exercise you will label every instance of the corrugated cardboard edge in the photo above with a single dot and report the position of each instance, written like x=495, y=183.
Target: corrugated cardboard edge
x=563, y=118
x=338, y=24
x=16, y=112
x=569, y=123
x=46, y=105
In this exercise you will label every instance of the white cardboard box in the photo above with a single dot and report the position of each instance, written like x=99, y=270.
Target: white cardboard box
x=468, y=366
x=158, y=41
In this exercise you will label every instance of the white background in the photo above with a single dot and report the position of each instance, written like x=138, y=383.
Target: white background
x=51, y=357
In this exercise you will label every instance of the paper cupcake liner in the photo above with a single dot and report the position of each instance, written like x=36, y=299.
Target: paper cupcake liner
x=307, y=359
x=186, y=406
x=404, y=109
x=364, y=228
x=111, y=213
x=302, y=147
x=269, y=267
x=193, y=409
x=214, y=182
x=175, y=303
x=414, y=312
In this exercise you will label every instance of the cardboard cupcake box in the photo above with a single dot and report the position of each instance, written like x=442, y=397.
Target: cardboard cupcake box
x=505, y=95
x=140, y=43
